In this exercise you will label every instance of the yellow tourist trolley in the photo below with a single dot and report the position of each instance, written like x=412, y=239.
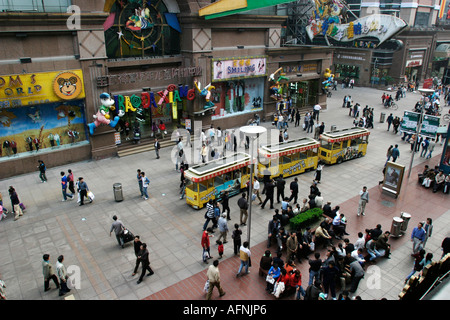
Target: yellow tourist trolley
x=208, y=180
x=341, y=145
x=288, y=158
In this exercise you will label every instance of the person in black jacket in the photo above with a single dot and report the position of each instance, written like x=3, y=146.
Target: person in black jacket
x=137, y=248
x=243, y=206
x=281, y=183
x=272, y=230
x=15, y=203
x=225, y=205
x=143, y=257
x=270, y=188
x=294, y=190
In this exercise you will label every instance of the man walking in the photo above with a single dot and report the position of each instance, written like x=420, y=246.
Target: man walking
x=213, y=276
x=363, y=200
x=145, y=261
x=206, y=244
x=244, y=255
x=281, y=183
x=316, y=110
x=49, y=274
x=395, y=153
x=83, y=190
x=225, y=204
x=270, y=189
x=418, y=237
x=256, y=187
x=223, y=228
x=42, y=169
x=118, y=227
x=294, y=190
x=157, y=147
x=62, y=275
x=64, y=187
x=243, y=206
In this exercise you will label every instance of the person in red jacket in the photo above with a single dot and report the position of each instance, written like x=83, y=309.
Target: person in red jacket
x=296, y=283
x=206, y=244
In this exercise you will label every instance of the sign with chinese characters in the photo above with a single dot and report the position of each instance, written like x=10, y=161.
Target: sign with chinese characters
x=327, y=17
x=430, y=125
x=409, y=123
x=238, y=68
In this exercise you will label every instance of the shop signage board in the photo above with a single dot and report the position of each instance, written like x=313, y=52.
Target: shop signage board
x=238, y=68
x=19, y=90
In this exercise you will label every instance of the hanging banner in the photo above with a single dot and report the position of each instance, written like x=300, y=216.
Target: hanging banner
x=326, y=21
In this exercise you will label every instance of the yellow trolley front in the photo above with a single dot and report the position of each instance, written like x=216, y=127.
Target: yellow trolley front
x=211, y=179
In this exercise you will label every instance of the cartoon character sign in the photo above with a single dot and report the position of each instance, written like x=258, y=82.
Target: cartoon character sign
x=67, y=85
x=102, y=115
x=205, y=92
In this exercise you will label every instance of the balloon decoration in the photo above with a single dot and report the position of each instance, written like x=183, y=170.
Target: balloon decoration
x=329, y=78
x=103, y=115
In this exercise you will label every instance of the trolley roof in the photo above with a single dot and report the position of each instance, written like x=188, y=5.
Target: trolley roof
x=217, y=167
x=344, y=134
x=288, y=147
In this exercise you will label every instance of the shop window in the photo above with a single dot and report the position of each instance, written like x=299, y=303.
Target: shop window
x=286, y=159
x=151, y=33
x=422, y=19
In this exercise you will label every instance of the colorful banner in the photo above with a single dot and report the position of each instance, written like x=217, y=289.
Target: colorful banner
x=42, y=87
x=327, y=18
x=238, y=68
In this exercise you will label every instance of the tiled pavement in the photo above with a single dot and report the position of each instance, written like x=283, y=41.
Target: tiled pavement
x=173, y=230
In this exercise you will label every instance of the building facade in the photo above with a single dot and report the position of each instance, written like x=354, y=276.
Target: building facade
x=160, y=62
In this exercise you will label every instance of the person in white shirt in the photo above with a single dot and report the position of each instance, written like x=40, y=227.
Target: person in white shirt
x=357, y=254
x=213, y=276
x=316, y=110
x=360, y=243
x=256, y=187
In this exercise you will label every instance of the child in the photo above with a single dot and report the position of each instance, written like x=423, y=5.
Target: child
x=220, y=249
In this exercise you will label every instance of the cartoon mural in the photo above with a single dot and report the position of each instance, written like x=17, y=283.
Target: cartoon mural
x=102, y=116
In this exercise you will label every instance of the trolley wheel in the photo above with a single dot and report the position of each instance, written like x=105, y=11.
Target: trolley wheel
x=339, y=160
x=360, y=154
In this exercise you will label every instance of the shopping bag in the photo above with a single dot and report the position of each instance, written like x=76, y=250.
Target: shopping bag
x=79, y=198
x=206, y=287
x=90, y=195
x=270, y=279
x=22, y=206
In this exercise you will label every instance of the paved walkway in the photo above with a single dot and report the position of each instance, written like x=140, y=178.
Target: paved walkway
x=173, y=230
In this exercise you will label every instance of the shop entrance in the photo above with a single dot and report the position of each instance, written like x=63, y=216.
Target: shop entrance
x=303, y=93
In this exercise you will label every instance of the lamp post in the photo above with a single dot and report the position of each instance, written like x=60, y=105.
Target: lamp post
x=253, y=132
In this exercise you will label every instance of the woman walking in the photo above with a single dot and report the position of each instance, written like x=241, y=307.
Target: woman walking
x=15, y=202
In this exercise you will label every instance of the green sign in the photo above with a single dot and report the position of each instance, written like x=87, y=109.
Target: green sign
x=409, y=122
x=430, y=125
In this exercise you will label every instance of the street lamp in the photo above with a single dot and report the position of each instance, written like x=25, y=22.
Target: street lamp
x=253, y=132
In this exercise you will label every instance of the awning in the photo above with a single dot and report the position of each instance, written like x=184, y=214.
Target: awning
x=442, y=52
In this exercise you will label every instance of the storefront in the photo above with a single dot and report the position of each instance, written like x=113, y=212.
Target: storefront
x=238, y=86
x=414, y=63
x=352, y=64
x=41, y=112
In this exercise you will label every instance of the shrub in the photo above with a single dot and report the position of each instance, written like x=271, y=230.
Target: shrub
x=306, y=218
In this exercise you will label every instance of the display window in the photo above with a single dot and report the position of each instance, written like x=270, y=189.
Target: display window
x=237, y=97
x=41, y=111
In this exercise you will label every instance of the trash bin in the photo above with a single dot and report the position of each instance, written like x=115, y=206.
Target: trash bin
x=117, y=188
x=405, y=216
x=396, y=227
x=333, y=128
x=382, y=116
